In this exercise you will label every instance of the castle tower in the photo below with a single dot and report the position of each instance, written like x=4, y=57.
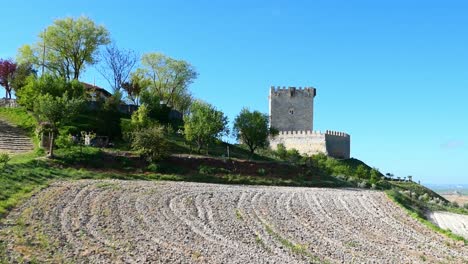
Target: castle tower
x=292, y=109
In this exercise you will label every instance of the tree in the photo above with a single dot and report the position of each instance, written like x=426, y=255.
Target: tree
x=204, y=124
x=47, y=84
x=117, y=65
x=135, y=86
x=169, y=78
x=7, y=70
x=251, y=129
x=66, y=47
x=20, y=76
x=55, y=111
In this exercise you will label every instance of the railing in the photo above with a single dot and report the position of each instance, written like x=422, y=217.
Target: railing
x=4, y=102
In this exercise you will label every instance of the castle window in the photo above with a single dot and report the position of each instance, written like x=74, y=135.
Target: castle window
x=291, y=111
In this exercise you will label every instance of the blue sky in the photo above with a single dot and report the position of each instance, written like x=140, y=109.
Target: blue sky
x=393, y=74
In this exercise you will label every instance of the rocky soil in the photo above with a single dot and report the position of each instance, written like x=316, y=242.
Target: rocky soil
x=174, y=222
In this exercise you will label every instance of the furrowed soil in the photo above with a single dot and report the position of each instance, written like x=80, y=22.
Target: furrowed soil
x=176, y=222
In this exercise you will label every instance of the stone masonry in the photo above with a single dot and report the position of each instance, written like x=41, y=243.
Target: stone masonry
x=291, y=112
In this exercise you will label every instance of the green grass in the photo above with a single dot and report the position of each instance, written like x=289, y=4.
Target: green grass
x=295, y=248
x=417, y=210
x=20, y=117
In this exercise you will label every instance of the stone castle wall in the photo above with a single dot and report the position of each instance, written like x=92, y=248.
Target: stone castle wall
x=331, y=143
x=292, y=109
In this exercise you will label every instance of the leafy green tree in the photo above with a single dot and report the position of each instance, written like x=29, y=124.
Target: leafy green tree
x=20, y=76
x=70, y=44
x=55, y=111
x=169, y=79
x=135, y=86
x=151, y=142
x=140, y=118
x=204, y=124
x=47, y=84
x=251, y=129
x=362, y=172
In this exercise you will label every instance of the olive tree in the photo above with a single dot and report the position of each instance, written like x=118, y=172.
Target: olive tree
x=54, y=111
x=168, y=79
x=204, y=124
x=251, y=129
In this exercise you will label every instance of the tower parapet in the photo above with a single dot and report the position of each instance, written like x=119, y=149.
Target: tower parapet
x=292, y=108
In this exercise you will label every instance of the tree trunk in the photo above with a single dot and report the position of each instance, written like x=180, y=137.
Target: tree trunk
x=51, y=145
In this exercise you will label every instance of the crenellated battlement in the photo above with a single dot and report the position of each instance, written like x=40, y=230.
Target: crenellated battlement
x=336, y=133
x=300, y=132
x=310, y=132
x=292, y=91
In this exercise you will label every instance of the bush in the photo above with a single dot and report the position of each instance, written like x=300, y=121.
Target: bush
x=261, y=172
x=151, y=142
x=207, y=170
x=363, y=184
x=455, y=204
x=281, y=152
x=4, y=158
x=465, y=206
x=293, y=155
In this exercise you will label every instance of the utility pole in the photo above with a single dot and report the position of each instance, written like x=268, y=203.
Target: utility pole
x=43, y=51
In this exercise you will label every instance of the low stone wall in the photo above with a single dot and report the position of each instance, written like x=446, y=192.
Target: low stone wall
x=306, y=142
x=331, y=143
x=8, y=102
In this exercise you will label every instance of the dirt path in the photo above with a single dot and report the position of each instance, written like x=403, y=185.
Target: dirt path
x=152, y=222
x=457, y=223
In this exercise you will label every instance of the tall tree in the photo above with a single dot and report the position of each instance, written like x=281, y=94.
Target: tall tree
x=204, y=124
x=169, y=78
x=117, y=65
x=251, y=129
x=7, y=70
x=66, y=47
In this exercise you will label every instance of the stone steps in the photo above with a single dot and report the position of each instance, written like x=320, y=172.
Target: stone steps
x=13, y=140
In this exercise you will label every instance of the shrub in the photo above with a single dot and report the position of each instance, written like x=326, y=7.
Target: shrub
x=207, y=170
x=455, y=204
x=4, y=158
x=363, y=184
x=465, y=206
x=261, y=172
x=281, y=152
x=151, y=142
x=153, y=167
x=293, y=155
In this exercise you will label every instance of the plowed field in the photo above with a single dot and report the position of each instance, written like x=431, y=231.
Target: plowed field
x=151, y=222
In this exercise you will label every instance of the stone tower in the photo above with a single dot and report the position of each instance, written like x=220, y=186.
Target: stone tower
x=292, y=109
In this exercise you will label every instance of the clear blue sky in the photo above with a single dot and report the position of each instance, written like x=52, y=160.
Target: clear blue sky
x=393, y=74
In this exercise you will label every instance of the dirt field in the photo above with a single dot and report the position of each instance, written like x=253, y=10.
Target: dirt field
x=460, y=199
x=170, y=222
